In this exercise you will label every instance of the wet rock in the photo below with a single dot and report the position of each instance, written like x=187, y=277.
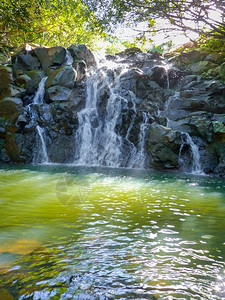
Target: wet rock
x=62, y=149
x=58, y=93
x=53, y=56
x=81, y=69
x=81, y=52
x=159, y=75
x=64, y=76
x=36, y=77
x=163, y=145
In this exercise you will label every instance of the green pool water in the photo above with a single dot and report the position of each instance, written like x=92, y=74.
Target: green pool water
x=89, y=233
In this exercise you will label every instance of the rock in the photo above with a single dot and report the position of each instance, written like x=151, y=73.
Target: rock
x=222, y=72
x=129, y=52
x=5, y=77
x=2, y=133
x=81, y=68
x=215, y=58
x=62, y=148
x=53, y=56
x=159, y=75
x=81, y=52
x=11, y=147
x=191, y=57
x=58, y=93
x=28, y=62
x=5, y=294
x=218, y=129
x=24, y=61
x=64, y=76
x=11, y=108
x=163, y=157
x=12, y=91
x=202, y=66
x=163, y=145
x=36, y=77
x=23, y=81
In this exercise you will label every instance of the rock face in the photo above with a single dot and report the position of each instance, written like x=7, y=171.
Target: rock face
x=172, y=115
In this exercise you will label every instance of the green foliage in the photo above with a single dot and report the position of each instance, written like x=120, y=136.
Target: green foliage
x=47, y=22
x=212, y=44
x=162, y=47
x=185, y=15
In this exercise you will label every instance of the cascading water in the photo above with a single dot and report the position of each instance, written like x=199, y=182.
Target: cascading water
x=42, y=137
x=195, y=166
x=170, y=114
x=41, y=154
x=100, y=138
x=140, y=155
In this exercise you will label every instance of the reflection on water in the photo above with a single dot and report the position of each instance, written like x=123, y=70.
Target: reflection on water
x=78, y=233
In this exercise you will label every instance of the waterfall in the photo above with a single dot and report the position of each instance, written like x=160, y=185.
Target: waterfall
x=68, y=59
x=140, y=157
x=195, y=165
x=100, y=138
x=44, y=154
x=39, y=95
x=40, y=154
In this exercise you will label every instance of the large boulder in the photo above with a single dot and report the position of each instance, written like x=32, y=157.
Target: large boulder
x=64, y=76
x=163, y=145
x=11, y=108
x=23, y=81
x=36, y=77
x=222, y=72
x=202, y=66
x=58, y=93
x=24, y=62
x=53, y=56
x=192, y=56
x=81, y=52
x=5, y=77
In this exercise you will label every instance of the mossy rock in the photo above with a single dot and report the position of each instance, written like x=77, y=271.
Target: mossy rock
x=12, y=91
x=5, y=77
x=129, y=51
x=11, y=108
x=58, y=93
x=64, y=76
x=23, y=81
x=36, y=77
x=192, y=56
x=222, y=72
x=202, y=66
x=50, y=56
x=82, y=52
